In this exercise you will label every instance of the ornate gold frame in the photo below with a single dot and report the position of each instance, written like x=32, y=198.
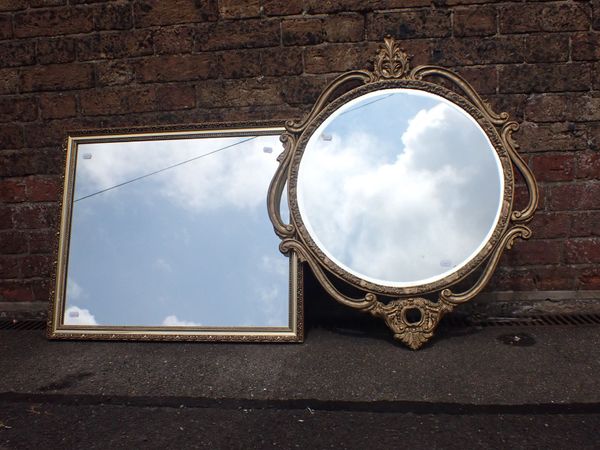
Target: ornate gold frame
x=391, y=70
x=56, y=328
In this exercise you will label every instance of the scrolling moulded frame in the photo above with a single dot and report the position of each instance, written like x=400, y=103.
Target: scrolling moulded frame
x=411, y=317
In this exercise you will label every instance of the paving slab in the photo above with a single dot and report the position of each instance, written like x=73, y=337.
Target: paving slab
x=472, y=366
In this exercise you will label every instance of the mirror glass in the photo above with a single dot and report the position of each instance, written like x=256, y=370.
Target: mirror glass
x=400, y=187
x=175, y=233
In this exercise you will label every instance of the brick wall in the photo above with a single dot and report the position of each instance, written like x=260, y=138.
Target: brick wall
x=72, y=64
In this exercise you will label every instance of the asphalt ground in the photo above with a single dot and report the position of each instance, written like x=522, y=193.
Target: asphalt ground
x=495, y=387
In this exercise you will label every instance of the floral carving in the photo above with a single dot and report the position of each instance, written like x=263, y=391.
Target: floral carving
x=390, y=61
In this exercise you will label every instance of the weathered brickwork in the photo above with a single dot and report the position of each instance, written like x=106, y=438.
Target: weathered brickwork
x=74, y=64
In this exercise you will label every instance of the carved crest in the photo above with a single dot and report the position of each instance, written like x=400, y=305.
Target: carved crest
x=391, y=61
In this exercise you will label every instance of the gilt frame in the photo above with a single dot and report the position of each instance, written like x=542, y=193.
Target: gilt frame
x=56, y=329
x=392, y=70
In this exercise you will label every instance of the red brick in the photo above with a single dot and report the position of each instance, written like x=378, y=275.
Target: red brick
x=505, y=279
x=42, y=241
x=58, y=106
x=588, y=165
x=338, y=57
x=157, y=12
x=57, y=77
x=535, y=252
x=529, y=78
x=239, y=9
x=237, y=34
x=13, y=242
x=34, y=266
x=5, y=26
x=551, y=225
x=282, y=7
x=596, y=14
x=43, y=189
x=281, y=61
x=532, y=17
x=113, y=16
x=6, y=214
x=9, y=81
x=544, y=137
x=118, y=101
x=344, y=28
x=109, y=73
x=50, y=133
x=176, y=68
x=17, y=53
x=469, y=51
x=546, y=48
x=589, y=278
x=586, y=224
x=482, y=78
x=553, y=166
x=302, y=31
x=173, y=40
x=13, y=5
x=558, y=107
x=596, y=76
x=593, y=130
x=27, y=162
x=12, y=190
x=585, y=46
x=44, y=3
x=16, y=291
x=10, y=267
x=57, y=50
x=53, y=22
x=424, y=23
x=575, y=196
x=243, y=92
x=115, y=45
x=582, y=250
x=40, y=289
x=303, y=90
x=11, y=136
x=475, y=21
x=175, y=97
x=37, y=216
x=239, y=63
x=19, y=109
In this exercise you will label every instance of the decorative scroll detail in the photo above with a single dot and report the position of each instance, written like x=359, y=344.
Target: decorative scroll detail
x=412, y=333
x=391, y=61
x=391, y=70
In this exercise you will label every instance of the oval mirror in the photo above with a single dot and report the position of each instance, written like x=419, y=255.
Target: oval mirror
x=400, y=187
x=400, y=183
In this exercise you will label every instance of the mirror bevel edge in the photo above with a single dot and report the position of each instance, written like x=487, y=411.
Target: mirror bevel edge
x=55, y=326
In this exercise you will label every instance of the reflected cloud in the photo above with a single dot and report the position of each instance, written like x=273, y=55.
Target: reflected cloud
x=79, y=316
x=173, y=321
x=233, y=179
x=404, y=206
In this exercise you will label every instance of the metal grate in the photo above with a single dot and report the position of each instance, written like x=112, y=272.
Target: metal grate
x=537, y=320
x=22, y=324
x=450, y=321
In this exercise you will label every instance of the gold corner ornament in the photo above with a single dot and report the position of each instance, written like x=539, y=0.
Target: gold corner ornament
x=412, y=319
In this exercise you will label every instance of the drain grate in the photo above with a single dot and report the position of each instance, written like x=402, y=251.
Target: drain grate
x=450, y=321
x=22, y=324
x=527, y=321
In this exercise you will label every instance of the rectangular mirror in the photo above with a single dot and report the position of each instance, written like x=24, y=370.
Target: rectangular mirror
x=165, y=235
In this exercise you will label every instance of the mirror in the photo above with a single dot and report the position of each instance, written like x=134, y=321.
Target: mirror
x=400, y=183
x=164, y=235
x=400, y=199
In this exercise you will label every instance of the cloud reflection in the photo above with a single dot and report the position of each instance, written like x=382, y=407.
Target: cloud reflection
x=403, y=206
